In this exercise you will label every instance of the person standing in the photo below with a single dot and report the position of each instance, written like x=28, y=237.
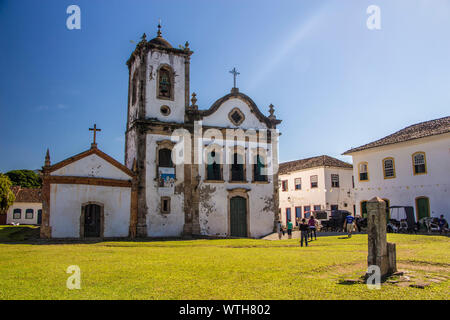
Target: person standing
x=304, y=229
x=289, y=229
x=279, y=229
x=349, y=220
x=442, y=224
x=312, y=227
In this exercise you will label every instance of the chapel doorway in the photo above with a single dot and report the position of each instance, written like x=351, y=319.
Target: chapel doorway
x=92, y=221
x=238, y=217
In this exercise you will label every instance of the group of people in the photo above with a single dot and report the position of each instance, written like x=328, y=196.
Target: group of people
x=307, y=229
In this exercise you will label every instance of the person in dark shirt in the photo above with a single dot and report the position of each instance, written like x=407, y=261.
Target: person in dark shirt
x=442, y=223
x=304, y=228
x=349, y=224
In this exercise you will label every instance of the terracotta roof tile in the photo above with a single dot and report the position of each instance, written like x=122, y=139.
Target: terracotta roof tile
x=27, y=194
x=416, y=131
x=320, y=161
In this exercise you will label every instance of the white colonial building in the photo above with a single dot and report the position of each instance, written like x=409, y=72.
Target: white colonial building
x=410, y=167
x=317, y=183
x=187, y=171
x=27, y=207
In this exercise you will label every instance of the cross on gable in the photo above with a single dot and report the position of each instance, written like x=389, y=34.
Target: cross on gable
x=235, y=73
x=94, y=144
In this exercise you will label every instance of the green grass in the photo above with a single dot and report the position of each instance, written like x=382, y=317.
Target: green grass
x=18, y=233
x=216, y=269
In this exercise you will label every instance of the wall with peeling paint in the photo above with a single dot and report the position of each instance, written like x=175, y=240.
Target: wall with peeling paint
x=214, y=204
x=66, y=201
x=163, y=224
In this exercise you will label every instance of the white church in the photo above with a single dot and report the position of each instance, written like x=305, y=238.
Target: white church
x=187, y=171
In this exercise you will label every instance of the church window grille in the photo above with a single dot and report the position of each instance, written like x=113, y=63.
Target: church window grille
x=258, y=169
x=237, y=168
x=213, y=168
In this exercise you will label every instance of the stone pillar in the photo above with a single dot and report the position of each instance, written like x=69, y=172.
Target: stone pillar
x=46, y=229
x=380, y=252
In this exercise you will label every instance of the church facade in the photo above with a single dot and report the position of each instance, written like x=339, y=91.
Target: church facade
x=187, y=171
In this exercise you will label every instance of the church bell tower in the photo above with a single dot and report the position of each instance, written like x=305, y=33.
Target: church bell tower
x=158, y=96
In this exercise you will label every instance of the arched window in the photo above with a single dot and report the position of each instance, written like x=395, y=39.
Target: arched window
x=389, y=168
x=258, y=169
x=419, y=163
x=29, y=214
x=165, y=158
x=237, y=168
x=17, y=213
x=165, y=83
x=363, y=171
x=213, y=168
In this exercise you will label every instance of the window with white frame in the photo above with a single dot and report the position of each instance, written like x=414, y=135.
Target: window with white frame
x=298, y=183
x=388, y=168
x=419, y=163
x=17, y=213
x=363, y=171
x=335, y=181
x=29, y=214
x=314, y=181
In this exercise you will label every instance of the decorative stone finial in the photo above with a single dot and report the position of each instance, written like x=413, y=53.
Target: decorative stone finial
x=186, y=46
x=47, y=158
x=194, y=100
x=271, y=112
x=144, y=37
x=159, y=29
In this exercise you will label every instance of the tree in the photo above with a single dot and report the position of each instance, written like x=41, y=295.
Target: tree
x=25, y=178
x=6, y=195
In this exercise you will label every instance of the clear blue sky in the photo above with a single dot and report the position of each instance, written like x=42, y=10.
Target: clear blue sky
x=334, y=83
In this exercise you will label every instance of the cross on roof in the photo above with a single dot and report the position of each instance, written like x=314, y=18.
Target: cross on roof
x=94, y=144
x=235, y=73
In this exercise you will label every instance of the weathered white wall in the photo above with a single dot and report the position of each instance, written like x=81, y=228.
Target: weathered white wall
x=323, y=195
x=91, y=166
x=214, y=203
x=65, y=207
x=159, y=224
x=220, y=117
x=131, y=148
x=24, y=206
x=153, y=104
x=342, y=196
x=406, y=187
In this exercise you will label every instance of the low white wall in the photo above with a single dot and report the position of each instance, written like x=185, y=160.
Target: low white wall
x=65, y=209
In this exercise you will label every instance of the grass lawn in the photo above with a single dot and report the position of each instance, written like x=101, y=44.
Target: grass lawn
x=217, y=269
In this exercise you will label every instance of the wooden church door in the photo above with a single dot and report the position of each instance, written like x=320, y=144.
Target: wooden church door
x=92, y=220
x=238, y=217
